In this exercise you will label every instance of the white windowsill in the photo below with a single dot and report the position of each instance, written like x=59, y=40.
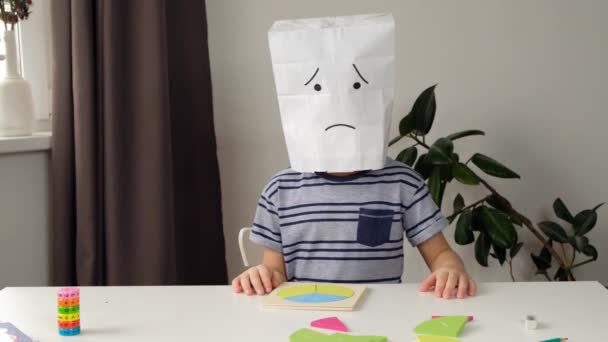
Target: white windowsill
x=31, y=143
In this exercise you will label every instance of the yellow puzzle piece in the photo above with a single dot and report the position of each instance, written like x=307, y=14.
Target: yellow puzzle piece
x=435, y=339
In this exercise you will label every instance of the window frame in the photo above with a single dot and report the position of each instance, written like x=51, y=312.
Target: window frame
x=34, y=53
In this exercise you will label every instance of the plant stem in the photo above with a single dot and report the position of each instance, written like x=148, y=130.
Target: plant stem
x=563, y=251
x=511, y=270
x=468, y=206
x=395, y=140
x=420, y=142
x=582, y=263
x=526, y=221
x=573, y=257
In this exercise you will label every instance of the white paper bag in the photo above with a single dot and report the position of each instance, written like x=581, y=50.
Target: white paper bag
x=335, y=84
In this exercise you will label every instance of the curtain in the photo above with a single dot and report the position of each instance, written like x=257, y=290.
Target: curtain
x=135, y=180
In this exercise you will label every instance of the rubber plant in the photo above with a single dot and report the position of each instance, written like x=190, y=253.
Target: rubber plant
x=490, y=222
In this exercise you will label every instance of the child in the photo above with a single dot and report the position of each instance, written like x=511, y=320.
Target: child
x=320, y=221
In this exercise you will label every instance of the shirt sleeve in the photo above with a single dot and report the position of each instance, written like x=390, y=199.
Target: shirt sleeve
x=266, y=229
x=422, y=218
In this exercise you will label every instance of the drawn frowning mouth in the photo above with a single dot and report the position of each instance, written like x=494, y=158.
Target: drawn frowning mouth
x=338, y=125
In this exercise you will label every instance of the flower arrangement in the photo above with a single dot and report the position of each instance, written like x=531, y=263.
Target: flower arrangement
x=12, y=11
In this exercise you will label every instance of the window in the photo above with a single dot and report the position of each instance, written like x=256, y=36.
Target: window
x=33, y=39
x=2, y=52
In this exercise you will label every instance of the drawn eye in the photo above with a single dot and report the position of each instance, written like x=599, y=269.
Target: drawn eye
x=317, y=86
x=357, y=85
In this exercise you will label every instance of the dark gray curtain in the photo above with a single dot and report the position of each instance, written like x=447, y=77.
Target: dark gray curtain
x=136, y=192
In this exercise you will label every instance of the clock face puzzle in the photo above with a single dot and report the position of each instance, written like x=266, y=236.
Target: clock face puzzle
x=314, y=296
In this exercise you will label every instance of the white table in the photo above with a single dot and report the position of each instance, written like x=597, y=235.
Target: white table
x=578, y=311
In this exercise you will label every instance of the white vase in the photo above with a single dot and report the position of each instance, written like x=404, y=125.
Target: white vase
x=16, y=100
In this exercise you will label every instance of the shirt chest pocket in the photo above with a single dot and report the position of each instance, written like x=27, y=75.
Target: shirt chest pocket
x=374, y=226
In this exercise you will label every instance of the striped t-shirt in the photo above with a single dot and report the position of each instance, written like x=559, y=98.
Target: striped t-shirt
x=346, y=229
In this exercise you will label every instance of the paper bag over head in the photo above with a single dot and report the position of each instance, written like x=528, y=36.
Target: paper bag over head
x=335, y=85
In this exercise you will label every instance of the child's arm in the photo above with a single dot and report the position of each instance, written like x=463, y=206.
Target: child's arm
x=263, y=278
x=448, y=271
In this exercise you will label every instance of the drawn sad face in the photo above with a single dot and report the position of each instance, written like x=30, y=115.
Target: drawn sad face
x=318, y=87
x=334, y=81
x=336, y=118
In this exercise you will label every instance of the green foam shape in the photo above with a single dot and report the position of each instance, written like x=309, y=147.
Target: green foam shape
x=443, y=326
x=308, y=335
x=335, y=290
x=435, y=339
x=298, y=290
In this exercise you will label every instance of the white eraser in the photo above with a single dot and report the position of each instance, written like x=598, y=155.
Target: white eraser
x=531, y=322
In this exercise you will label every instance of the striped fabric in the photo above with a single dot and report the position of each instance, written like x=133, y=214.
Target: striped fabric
x=346, y=229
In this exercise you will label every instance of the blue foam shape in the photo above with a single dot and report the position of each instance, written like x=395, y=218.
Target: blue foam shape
x=316, y=298
x=69, y=332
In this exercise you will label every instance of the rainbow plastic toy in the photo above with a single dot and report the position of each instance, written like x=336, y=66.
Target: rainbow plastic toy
x=68, y=309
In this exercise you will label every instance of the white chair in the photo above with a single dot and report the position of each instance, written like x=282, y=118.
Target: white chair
x=244, y=235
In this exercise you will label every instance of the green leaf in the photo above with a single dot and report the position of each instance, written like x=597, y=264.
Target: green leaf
x=407, y=124
x=498, y=203
x=458, y=203
x=541, y=264
x=561, y=275
x=482, y=249
x=434, y=183
x=516, y=220
x=499, y=227
x=584, y=221
x=463, y=235
x=441, y=191
x=463, y=134
x=589, y=250
x=464, y=175
x=579, y=242
x=562, y=211
x=545, y=254
x=554, y=231
x=500, y=254
x=423, y=110
x=423, y=167
x=446, y=173
x=408, y=156
x=515, y=249
x=492, y=167
x=441, y=152
x=543, y=260
x=477, y=222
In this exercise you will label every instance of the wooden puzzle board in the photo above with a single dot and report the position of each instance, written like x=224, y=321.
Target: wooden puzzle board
x=352, y=294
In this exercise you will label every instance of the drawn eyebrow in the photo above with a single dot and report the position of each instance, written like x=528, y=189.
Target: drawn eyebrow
x=358, y=73
x=313, y=76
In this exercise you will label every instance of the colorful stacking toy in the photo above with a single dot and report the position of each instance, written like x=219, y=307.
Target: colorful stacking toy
x=68, y=307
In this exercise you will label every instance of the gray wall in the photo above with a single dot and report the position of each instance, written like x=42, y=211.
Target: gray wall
x=24, y=217
x=531, y=74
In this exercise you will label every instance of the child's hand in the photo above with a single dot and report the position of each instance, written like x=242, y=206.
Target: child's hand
x=258, y=279
x=447, y=280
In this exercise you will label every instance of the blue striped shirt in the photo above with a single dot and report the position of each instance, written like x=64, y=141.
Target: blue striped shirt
x=346, y=229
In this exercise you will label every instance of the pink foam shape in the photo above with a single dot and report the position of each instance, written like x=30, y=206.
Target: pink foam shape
x=470, y=317
x=330, y=323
